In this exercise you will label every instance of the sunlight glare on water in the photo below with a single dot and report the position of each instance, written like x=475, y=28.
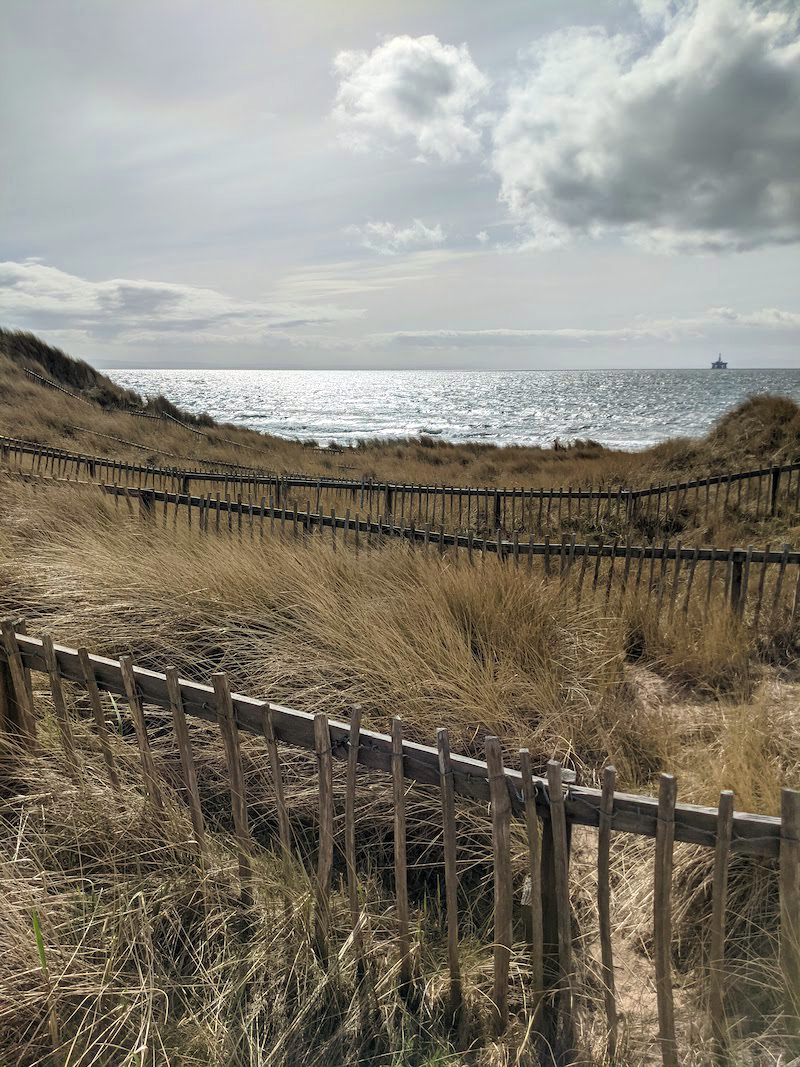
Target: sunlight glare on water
x=622, y=409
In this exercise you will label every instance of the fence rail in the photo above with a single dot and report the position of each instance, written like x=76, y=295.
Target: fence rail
x=40, y=380
x=61, y=460
x=499, y=503
x=735, y=564
x=507, y=548
x=549, y=806
x=662, y=569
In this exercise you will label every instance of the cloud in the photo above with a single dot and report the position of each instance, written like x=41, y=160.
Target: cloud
x=502, y=337
x=35, y=296
x=387, y=239
x=410, y=89
x=684, y=137
x=768, y=318
x=787, y=323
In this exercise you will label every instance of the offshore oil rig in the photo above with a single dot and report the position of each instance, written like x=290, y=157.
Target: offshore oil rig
x=719, y=363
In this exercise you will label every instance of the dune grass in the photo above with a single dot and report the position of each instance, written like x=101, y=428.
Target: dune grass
x=148, y=958
x=480, y=649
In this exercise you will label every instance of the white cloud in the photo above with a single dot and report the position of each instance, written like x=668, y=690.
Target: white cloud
x=688, y=143
x=387, y=239
x=675, y=330
x=410, y=89
x=502, y=337
x=483, y=237
x=35, y=296
x=769, y=318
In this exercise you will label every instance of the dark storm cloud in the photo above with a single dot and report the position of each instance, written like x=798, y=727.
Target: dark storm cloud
x=690, y=142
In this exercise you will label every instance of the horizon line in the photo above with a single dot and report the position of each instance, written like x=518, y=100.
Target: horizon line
x=440, y=369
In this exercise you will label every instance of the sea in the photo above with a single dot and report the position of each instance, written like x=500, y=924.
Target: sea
x=628, y=409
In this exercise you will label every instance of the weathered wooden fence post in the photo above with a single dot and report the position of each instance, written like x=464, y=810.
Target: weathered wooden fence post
x=737, y=573
x=12, y=716
x=790, y=913
x=19, y=706
x=501, y=818
x=322, y=746
x=450, y=868
x=604, y=908
x=60, y=705
x=93, y=692
x=662, y=919
x=354, y=742
x=560, y=844
x=147, y=504
x=718, y=900
x=536, y=938
x=226, y=718
x=187, y=759
x=400, y=863
x=774, y=487
x=137, y=714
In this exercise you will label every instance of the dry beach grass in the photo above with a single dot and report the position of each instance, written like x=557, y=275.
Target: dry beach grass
x=147, y=957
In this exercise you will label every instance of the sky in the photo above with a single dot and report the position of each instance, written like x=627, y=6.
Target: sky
x=364, y=183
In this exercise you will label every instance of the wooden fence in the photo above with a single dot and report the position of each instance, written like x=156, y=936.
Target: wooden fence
x=667, y=573
x=761, y=493
x=61, y=463
x=549, y=805
x=760, y=585
x=34, y=377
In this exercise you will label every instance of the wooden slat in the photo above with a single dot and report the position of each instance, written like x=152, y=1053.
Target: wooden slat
x=561, y=870
x=535, y=876
x=22, y=698
x=599, y=556
x=21, y=628
x=322, y=745
x=354, y=741
x=745, y=580
x=268, y=728
x=760, y=597
x=776, y=599
x=60, y=704
x=690, y=581
x=610, y=576
x=662, y=920
x=604, y=909
x=581, y=573
x=503, y=890
x=187, y=759
x=662, y=577
x=709, y=584
x=137, y=714
x=450, y=867
x=400, y=865
x=226, y=717
x=9, y=717
x=719, y=894
x=789, y=884
x=675, y=575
